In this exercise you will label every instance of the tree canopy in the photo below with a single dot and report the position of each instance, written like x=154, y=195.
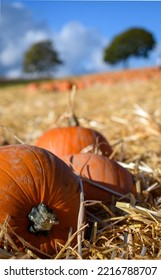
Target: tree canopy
x=135, y=42
x=41, y=59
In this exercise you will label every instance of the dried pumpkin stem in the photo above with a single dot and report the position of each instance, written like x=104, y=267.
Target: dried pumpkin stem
x=73, y=120
x=80, y=218
x=42, y=218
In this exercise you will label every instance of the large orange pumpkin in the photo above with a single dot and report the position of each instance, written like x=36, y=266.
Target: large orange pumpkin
x=103, y=171
x=72, y=140
x=40, y=194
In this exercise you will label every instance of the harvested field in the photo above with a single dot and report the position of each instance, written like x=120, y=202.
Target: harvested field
x=125, y=108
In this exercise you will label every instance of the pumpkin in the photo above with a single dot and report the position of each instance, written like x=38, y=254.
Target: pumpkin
x=103, y=171
x=40, y=195
x=64, y=85
x=72, y=140
x=48, y=86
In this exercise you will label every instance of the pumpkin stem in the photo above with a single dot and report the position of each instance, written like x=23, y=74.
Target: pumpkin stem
x=42, y=218
x=73, y=120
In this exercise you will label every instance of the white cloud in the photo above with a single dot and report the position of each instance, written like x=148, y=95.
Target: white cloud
x=96, y=63
x=19, y=32
x=34, y=36
x=6, y=57
x=14, y=73
x=78, y=46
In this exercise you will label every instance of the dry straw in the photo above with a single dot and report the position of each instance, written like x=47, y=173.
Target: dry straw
x=125, y=228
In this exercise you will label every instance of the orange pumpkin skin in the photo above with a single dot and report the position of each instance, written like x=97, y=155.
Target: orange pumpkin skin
x=72, y=140
x=103, y=171
x=28, y=176
x=64, y=85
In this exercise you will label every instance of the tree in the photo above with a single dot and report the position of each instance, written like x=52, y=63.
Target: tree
x=41, y=59
x=133, y=42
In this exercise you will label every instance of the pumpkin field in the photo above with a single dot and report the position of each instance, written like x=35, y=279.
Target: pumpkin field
x=80, y=167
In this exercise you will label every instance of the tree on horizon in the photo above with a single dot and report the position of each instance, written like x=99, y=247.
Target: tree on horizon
x=41, y=59
x=136, y=42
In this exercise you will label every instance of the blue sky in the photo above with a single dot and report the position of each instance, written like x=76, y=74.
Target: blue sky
x=80, y=30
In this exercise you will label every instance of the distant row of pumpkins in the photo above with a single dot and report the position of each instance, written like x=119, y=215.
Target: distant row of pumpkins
x=40, y=184
x=65, y=85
